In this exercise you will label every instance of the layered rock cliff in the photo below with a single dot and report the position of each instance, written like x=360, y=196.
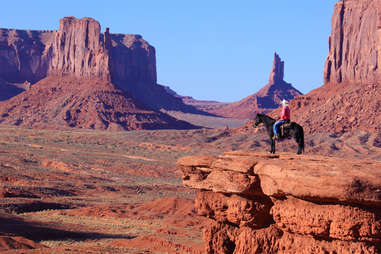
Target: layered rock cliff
x=70, y=73
x=350, y=98
x=282, y=204
x=354, y=43
x=265, y=100
x=79, y=49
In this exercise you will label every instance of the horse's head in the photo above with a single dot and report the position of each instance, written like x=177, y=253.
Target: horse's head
x=258, y=120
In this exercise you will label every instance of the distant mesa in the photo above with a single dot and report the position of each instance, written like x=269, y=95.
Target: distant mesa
x=81, y=78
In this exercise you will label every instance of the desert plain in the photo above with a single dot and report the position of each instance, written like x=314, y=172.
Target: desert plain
x=86, y=191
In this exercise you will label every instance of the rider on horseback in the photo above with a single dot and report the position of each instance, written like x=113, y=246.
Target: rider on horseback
x=285, y=117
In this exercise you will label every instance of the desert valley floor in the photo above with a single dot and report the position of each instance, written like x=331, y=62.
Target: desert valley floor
x=82, y=191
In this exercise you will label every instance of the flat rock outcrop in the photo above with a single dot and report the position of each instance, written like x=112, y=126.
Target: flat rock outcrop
x=286, y=203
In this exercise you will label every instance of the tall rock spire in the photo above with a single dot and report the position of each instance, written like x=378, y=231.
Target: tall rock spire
x=266, y=99
x=277, y=72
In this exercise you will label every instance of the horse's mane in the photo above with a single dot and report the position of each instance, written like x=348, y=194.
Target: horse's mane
x=266, y=116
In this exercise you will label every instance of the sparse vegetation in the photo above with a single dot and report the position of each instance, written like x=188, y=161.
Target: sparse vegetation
x=86, y=187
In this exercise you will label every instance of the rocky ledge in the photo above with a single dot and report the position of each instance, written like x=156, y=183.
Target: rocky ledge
x=285, y=203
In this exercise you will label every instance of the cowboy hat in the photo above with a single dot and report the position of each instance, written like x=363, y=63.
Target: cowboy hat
x=284, y=102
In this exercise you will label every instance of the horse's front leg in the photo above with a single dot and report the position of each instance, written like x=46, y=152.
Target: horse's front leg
x=272, y=146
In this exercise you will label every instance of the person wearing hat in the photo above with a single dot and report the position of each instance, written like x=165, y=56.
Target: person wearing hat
x=285, y=117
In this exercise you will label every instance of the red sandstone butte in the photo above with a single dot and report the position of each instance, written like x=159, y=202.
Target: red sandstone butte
x=79, y=77
x=351, y=94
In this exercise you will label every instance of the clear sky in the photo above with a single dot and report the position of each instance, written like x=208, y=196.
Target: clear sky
x=215, y=50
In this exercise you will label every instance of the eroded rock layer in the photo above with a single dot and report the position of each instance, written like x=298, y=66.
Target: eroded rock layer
x=286, y=204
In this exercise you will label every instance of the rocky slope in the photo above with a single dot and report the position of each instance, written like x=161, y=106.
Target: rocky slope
x=265, y=100
x=64, y=102
x=286, y=204
x=350, y=99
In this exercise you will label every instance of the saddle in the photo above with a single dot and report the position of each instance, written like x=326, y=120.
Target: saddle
x=283, y=129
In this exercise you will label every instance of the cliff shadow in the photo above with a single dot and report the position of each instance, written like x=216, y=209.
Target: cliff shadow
x=11, y=225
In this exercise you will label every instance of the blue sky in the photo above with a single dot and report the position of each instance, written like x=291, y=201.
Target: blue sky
x=211, y=50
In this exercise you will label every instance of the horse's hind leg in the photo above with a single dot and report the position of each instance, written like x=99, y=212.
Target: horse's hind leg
x=300, y=141
x=299, y=149
x=272, y=146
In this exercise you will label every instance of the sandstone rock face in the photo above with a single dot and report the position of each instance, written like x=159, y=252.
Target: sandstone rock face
x=327, y=221
x=304, y=204
x=133, y=61
x=266, y=99
x=355, y=42
x=234, y=209
x=23, y=55
x=78, y=49
x=350, y=98
x=222, y=181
